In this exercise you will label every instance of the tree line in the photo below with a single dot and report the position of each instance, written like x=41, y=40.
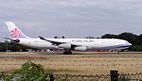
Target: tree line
x=135, y=40
x=13, y=47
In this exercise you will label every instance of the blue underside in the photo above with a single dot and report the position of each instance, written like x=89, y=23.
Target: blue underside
x=117, y=46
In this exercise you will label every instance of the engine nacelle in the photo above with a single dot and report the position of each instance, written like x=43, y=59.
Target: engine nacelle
x=67, y=46
x=80, y=48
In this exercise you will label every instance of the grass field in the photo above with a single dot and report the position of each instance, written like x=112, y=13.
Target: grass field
x=78, y=63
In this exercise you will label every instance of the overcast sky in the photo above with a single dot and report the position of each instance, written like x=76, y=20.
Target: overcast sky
x=72, y=18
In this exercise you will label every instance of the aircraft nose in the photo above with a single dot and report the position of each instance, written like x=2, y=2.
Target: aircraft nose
x=128, y=43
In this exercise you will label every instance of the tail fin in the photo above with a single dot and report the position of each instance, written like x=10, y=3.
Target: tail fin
x=15, y=32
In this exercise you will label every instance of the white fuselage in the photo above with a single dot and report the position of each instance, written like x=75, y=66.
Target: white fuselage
x=66, y=44
x=90, y=44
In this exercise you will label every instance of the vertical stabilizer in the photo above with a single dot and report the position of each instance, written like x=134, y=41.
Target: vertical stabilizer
x=15, y=32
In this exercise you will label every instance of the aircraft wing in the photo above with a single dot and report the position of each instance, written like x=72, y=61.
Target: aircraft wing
x=56, y=42
x=53, y=42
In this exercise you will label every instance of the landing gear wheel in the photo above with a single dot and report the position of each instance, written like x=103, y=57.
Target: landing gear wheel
x=67, y=52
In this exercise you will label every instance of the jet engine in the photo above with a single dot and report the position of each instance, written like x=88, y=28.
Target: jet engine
x=81, y=48
x=65, y=45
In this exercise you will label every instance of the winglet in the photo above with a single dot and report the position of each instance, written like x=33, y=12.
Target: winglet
x=42, y=38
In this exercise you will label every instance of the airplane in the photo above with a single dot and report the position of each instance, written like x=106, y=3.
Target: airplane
x=66, y=44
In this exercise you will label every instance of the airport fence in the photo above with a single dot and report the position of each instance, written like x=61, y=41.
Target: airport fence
x=113, y=76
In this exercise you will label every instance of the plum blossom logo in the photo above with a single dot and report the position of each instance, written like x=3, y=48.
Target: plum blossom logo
x=15, y=33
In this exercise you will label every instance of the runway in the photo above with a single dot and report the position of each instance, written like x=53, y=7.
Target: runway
x=88, y=63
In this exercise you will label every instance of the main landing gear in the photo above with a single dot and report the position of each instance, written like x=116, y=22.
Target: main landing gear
x=67, y=52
